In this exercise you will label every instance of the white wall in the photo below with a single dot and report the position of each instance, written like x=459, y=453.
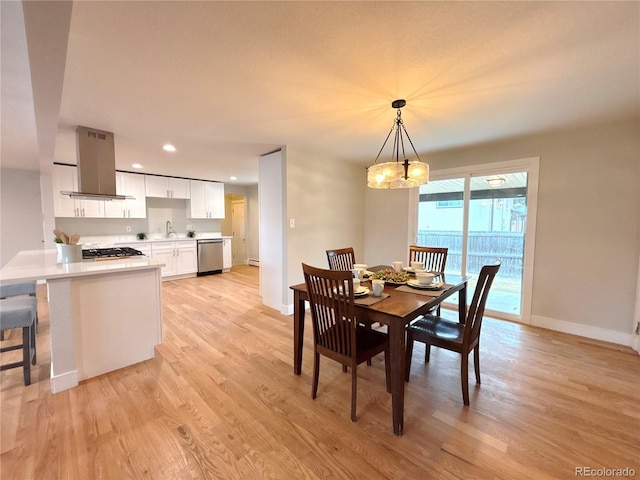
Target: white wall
x=588, y=224
x=273, y=241
x=325, y=198
x=21, y=221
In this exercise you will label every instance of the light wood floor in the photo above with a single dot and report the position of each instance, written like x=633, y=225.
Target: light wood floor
x=220, y=401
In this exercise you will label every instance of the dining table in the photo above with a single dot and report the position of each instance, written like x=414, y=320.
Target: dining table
x=396, y=310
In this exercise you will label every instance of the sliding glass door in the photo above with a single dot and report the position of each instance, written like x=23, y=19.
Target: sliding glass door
x=481, y=215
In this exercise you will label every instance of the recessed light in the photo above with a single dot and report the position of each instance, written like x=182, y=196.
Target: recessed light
x=167, y=147
x=233, y=178
x=136, y=165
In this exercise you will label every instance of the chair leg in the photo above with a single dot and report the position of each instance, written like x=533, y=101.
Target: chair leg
x=316, y=374
x=476, y=362
x=464, y=375
x=26, y=355
x=354, y=391
x=344, y=368
x=427, y=352
x=407, y=357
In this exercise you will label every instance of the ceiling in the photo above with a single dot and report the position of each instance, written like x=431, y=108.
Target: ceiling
x=226, y=82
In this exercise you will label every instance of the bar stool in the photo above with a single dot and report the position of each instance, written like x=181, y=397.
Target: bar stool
x=20, y=312
x=16, y=289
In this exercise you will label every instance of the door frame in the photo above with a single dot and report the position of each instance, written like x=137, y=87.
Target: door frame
x=532, y=166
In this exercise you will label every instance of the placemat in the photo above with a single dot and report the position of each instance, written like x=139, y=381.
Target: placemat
x=428, y=293
x=369, y=299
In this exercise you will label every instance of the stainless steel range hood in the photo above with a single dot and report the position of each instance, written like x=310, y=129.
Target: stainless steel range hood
x=96, y=166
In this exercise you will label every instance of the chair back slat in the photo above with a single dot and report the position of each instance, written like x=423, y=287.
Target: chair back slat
x=475, y=314
x=434, y=258
x=341, y=258
x=332, y=312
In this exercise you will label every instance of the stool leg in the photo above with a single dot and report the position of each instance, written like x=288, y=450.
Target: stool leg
x=26, y=355
x=33, y=344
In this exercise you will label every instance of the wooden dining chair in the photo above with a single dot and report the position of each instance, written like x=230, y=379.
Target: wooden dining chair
x=455, y=336
x=336, y=333
x=341, y=259
x=434, y=258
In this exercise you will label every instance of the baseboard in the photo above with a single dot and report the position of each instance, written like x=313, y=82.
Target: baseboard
x=597, y=333
x=253, y=262
x=66, y=381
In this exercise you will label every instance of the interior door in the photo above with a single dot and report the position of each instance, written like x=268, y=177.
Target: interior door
x=238, y=245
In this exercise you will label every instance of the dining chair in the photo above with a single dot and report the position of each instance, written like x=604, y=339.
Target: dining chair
x=336, y=333
x=341, y=259
x=436, y=331
x=434, y=259
x=344, y=259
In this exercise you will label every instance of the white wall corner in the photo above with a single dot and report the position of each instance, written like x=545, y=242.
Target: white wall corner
x=287, y=309
x=597, y=333
x=65, y=381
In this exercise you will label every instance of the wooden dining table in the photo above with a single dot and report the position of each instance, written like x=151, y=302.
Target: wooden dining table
x=396, y=311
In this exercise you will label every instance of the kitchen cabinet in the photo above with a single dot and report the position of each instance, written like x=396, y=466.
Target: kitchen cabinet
x=207, y=200
x=65, y=178
x=180, y=258
x=227, y=257
x=166, y=187
x=133, y=185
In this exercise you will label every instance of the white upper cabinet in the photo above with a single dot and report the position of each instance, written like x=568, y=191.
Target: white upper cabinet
x=167, y=187
x=65, y=178
x=133, y=185
x=207, y=200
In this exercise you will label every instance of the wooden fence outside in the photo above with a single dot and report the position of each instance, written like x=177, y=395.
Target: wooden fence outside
x=484, y=248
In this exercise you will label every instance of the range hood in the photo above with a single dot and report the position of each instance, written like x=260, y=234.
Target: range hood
x=96, y=166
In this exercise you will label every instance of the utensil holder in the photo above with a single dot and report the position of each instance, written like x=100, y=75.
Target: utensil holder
x=69, y=253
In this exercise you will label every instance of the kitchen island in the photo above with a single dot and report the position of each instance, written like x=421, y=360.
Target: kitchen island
x=104, y=315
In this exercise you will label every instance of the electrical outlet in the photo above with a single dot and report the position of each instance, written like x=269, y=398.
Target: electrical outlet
x=128, y=228
x=292, y=223
x=189, y=227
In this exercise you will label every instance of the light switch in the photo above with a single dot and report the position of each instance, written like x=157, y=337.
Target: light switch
x=128, y=228
x=292, y=222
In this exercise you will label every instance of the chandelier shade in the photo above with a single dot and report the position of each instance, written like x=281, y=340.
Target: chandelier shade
x=400, y=172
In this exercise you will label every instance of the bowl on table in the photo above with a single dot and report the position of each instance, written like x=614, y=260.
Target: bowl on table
x=425, y=278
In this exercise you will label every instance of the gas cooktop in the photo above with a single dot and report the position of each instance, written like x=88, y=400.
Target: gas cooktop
x=110, y=253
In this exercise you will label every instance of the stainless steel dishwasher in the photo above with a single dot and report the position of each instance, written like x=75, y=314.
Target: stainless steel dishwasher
x=209, y=256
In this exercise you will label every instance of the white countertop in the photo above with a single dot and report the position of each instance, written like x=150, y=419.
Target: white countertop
x=30, y=265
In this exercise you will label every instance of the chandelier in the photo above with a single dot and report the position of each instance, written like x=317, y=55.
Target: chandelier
x=400, y=172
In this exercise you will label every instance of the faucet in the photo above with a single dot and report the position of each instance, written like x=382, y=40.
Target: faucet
x=170, y=230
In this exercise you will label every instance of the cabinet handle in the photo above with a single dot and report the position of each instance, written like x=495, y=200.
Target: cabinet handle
x=124, y=214
x=83, y=212
x=75, y=212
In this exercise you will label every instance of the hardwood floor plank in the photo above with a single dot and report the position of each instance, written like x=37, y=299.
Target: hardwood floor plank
x=220, y=401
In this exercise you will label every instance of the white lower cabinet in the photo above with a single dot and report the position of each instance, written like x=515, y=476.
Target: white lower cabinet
x=227, y=258
x=180, y=258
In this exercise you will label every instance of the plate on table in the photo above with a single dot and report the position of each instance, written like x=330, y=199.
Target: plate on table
x=360, y=292
x=421, y=286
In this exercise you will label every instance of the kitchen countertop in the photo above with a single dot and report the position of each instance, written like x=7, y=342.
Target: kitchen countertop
x=30, y=265
x=108, y=240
